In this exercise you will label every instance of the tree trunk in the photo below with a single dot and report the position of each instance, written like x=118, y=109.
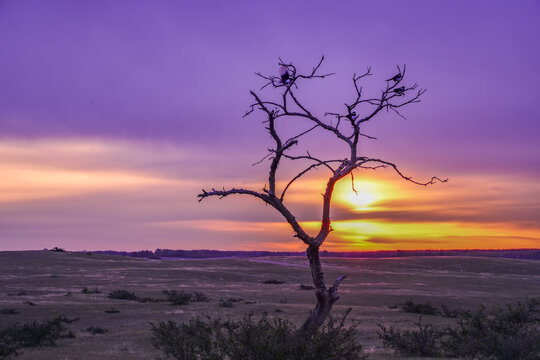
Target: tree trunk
x=325, y=297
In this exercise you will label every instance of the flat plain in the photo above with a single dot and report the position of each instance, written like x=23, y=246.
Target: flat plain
x=53, y=282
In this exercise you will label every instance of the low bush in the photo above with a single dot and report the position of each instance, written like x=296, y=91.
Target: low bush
x=425, y=341
x=96, y=330
x=32, y=334
x=507, y=333
x=122, y=295
x=510, y=332
x=86, y=290
x=225, y=303
x=148, y=299
x=305, y=287
x=8, y=311
x=273, y=281
x=418, y=308
x=176, y=297
x=266, y=338
x=200, y=297
x=448, y=312
x=112, y=311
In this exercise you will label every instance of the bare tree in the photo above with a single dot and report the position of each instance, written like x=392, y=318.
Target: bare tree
x=343, y=125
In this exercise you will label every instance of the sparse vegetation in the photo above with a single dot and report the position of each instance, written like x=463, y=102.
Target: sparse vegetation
x=200, y=297
x=180, y=297
x=507, y=333
x=96, y=330
x=176, y=297
x=418, y=308
x=225, y=303
x=8, y=311
x=112, y=311
x=273, y=281
x=266, y=338
x=425, y=341
x=305, y=287
x=122, y=295
x=448, y=312
x=32, y=334
x=86, y=290
x=459, y=290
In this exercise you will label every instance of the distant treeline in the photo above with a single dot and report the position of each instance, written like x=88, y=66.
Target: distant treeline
x=529, y=254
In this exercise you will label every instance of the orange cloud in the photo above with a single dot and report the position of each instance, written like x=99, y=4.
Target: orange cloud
x=133, y=195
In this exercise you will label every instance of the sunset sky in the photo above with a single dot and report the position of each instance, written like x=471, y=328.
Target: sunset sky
x=114, y=115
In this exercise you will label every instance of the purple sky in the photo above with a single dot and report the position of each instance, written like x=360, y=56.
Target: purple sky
x=175, y=75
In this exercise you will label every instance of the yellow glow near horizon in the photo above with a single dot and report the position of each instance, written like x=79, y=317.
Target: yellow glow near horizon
x=367, y=194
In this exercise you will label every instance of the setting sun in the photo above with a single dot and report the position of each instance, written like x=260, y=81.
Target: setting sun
x=367, y=193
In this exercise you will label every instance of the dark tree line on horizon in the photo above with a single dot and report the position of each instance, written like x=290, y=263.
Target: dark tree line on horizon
x=525, y=254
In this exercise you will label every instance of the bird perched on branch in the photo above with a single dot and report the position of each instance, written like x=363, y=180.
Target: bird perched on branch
x=284, y=74
x=400, y=90
x=396, y=78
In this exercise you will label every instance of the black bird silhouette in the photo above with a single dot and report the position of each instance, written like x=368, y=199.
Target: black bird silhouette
x=396, y=78
x=284, y=74
x=400, y=90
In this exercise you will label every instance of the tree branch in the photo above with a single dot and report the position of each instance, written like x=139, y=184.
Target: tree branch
x=433, y=179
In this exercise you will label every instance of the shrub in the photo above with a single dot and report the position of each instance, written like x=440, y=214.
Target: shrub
x=57, y=249
x=112, y=311
x=235, y=300
x=419, y=308
x=193, y=340
x=85, y=290
x=449, y=313
x=95, y=330
x=8, y=311
x=33, y=334
x=122, y=295
x=422, y=342
x=305, y=287
x=178, y=297
x=273, y=281
x=510, y=332
x=200, y=297
x=266, y=338
x=226, y=303
x=506, y=333
x=147, y=299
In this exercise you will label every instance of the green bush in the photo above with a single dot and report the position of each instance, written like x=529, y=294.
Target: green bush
x=250, y=339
